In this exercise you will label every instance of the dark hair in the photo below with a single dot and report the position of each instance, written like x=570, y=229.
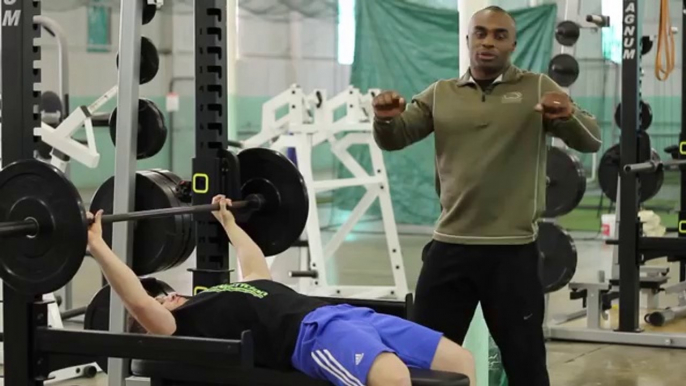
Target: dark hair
x=133, y=326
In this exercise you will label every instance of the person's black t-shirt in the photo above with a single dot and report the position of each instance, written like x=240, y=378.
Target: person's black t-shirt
x=271, y=310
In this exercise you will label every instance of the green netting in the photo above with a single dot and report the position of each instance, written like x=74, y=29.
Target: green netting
x=406, y=46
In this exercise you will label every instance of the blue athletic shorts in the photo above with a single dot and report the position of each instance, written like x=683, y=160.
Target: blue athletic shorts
x=339, y=343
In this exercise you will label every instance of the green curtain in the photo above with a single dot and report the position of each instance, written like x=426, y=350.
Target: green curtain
x=406, y=46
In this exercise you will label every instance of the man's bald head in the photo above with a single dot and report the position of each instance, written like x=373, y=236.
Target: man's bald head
x=493, y=9
x=491, y=40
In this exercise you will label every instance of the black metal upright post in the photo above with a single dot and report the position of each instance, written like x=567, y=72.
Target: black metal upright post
x=682, y=154
x=211, y=139
x=629, y=225
x=20, y=74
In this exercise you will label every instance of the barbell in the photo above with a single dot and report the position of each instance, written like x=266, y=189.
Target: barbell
x=30, y=227
x=44, y=226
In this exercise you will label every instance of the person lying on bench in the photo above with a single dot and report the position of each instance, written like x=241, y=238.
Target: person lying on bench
x=343, y=344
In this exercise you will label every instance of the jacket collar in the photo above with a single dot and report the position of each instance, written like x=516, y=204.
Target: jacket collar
x=511, y=74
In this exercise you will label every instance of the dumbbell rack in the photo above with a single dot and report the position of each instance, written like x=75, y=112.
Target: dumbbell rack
x=309, y=123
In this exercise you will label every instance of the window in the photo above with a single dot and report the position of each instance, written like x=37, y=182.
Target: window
x=346, y=31
x=612, y=35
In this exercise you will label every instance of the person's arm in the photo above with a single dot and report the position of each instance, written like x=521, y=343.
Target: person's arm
x=147, y=311
x=580, y=131
x=407, y=126
x=250, y=257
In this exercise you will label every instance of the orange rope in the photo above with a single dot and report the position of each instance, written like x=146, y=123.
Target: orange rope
x=665, y=33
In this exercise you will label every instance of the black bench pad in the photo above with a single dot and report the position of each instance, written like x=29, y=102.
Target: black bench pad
x=174, y=374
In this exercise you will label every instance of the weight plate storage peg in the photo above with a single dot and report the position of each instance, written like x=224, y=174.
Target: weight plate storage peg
x=563, y=69
x=566, y=182
x=558, y=254
x=44, y=259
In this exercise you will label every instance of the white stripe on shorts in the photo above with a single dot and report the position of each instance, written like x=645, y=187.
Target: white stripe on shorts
x=341, y=368
x=331, y=371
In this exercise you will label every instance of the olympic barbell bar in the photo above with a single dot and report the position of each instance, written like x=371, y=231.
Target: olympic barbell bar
x=31, y=227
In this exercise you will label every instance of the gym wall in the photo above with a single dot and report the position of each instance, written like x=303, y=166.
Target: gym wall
x=276, y=48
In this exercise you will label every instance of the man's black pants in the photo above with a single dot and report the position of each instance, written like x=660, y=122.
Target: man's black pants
x=506, y=280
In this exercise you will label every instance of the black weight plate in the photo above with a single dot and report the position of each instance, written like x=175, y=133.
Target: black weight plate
x=567, y=33
x=154, y=129
x=608, y=169
x=276, y=229
x=153, y=239
x=646, y=115
x=152, y=132
x=563, y=69
x=97, y=316
x=50, y=102
x=559, y=256
x=567, y=182
x=44, y=150
x=149, y=12
x=150, y=61
x=189, y=225
x=175, y=247
x=188, y=228
x=49, y=260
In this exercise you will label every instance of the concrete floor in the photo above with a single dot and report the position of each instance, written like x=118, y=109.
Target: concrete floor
x=362, y=260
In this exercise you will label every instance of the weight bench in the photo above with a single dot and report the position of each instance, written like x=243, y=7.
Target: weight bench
x=216, y=374
x=173, y=374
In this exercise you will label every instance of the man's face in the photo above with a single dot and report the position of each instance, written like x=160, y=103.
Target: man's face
x=171, y=301
x=491, y=40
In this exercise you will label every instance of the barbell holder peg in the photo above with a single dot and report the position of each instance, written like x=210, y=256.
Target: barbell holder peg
x=651, y=166
x=643, y=167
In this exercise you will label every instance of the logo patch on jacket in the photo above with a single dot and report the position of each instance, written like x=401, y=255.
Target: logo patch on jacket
x=512, y=97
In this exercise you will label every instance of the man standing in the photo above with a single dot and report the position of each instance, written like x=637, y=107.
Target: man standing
x=490, y=130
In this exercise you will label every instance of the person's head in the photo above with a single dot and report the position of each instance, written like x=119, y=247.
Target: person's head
x=491, y=40
x=169, y=301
